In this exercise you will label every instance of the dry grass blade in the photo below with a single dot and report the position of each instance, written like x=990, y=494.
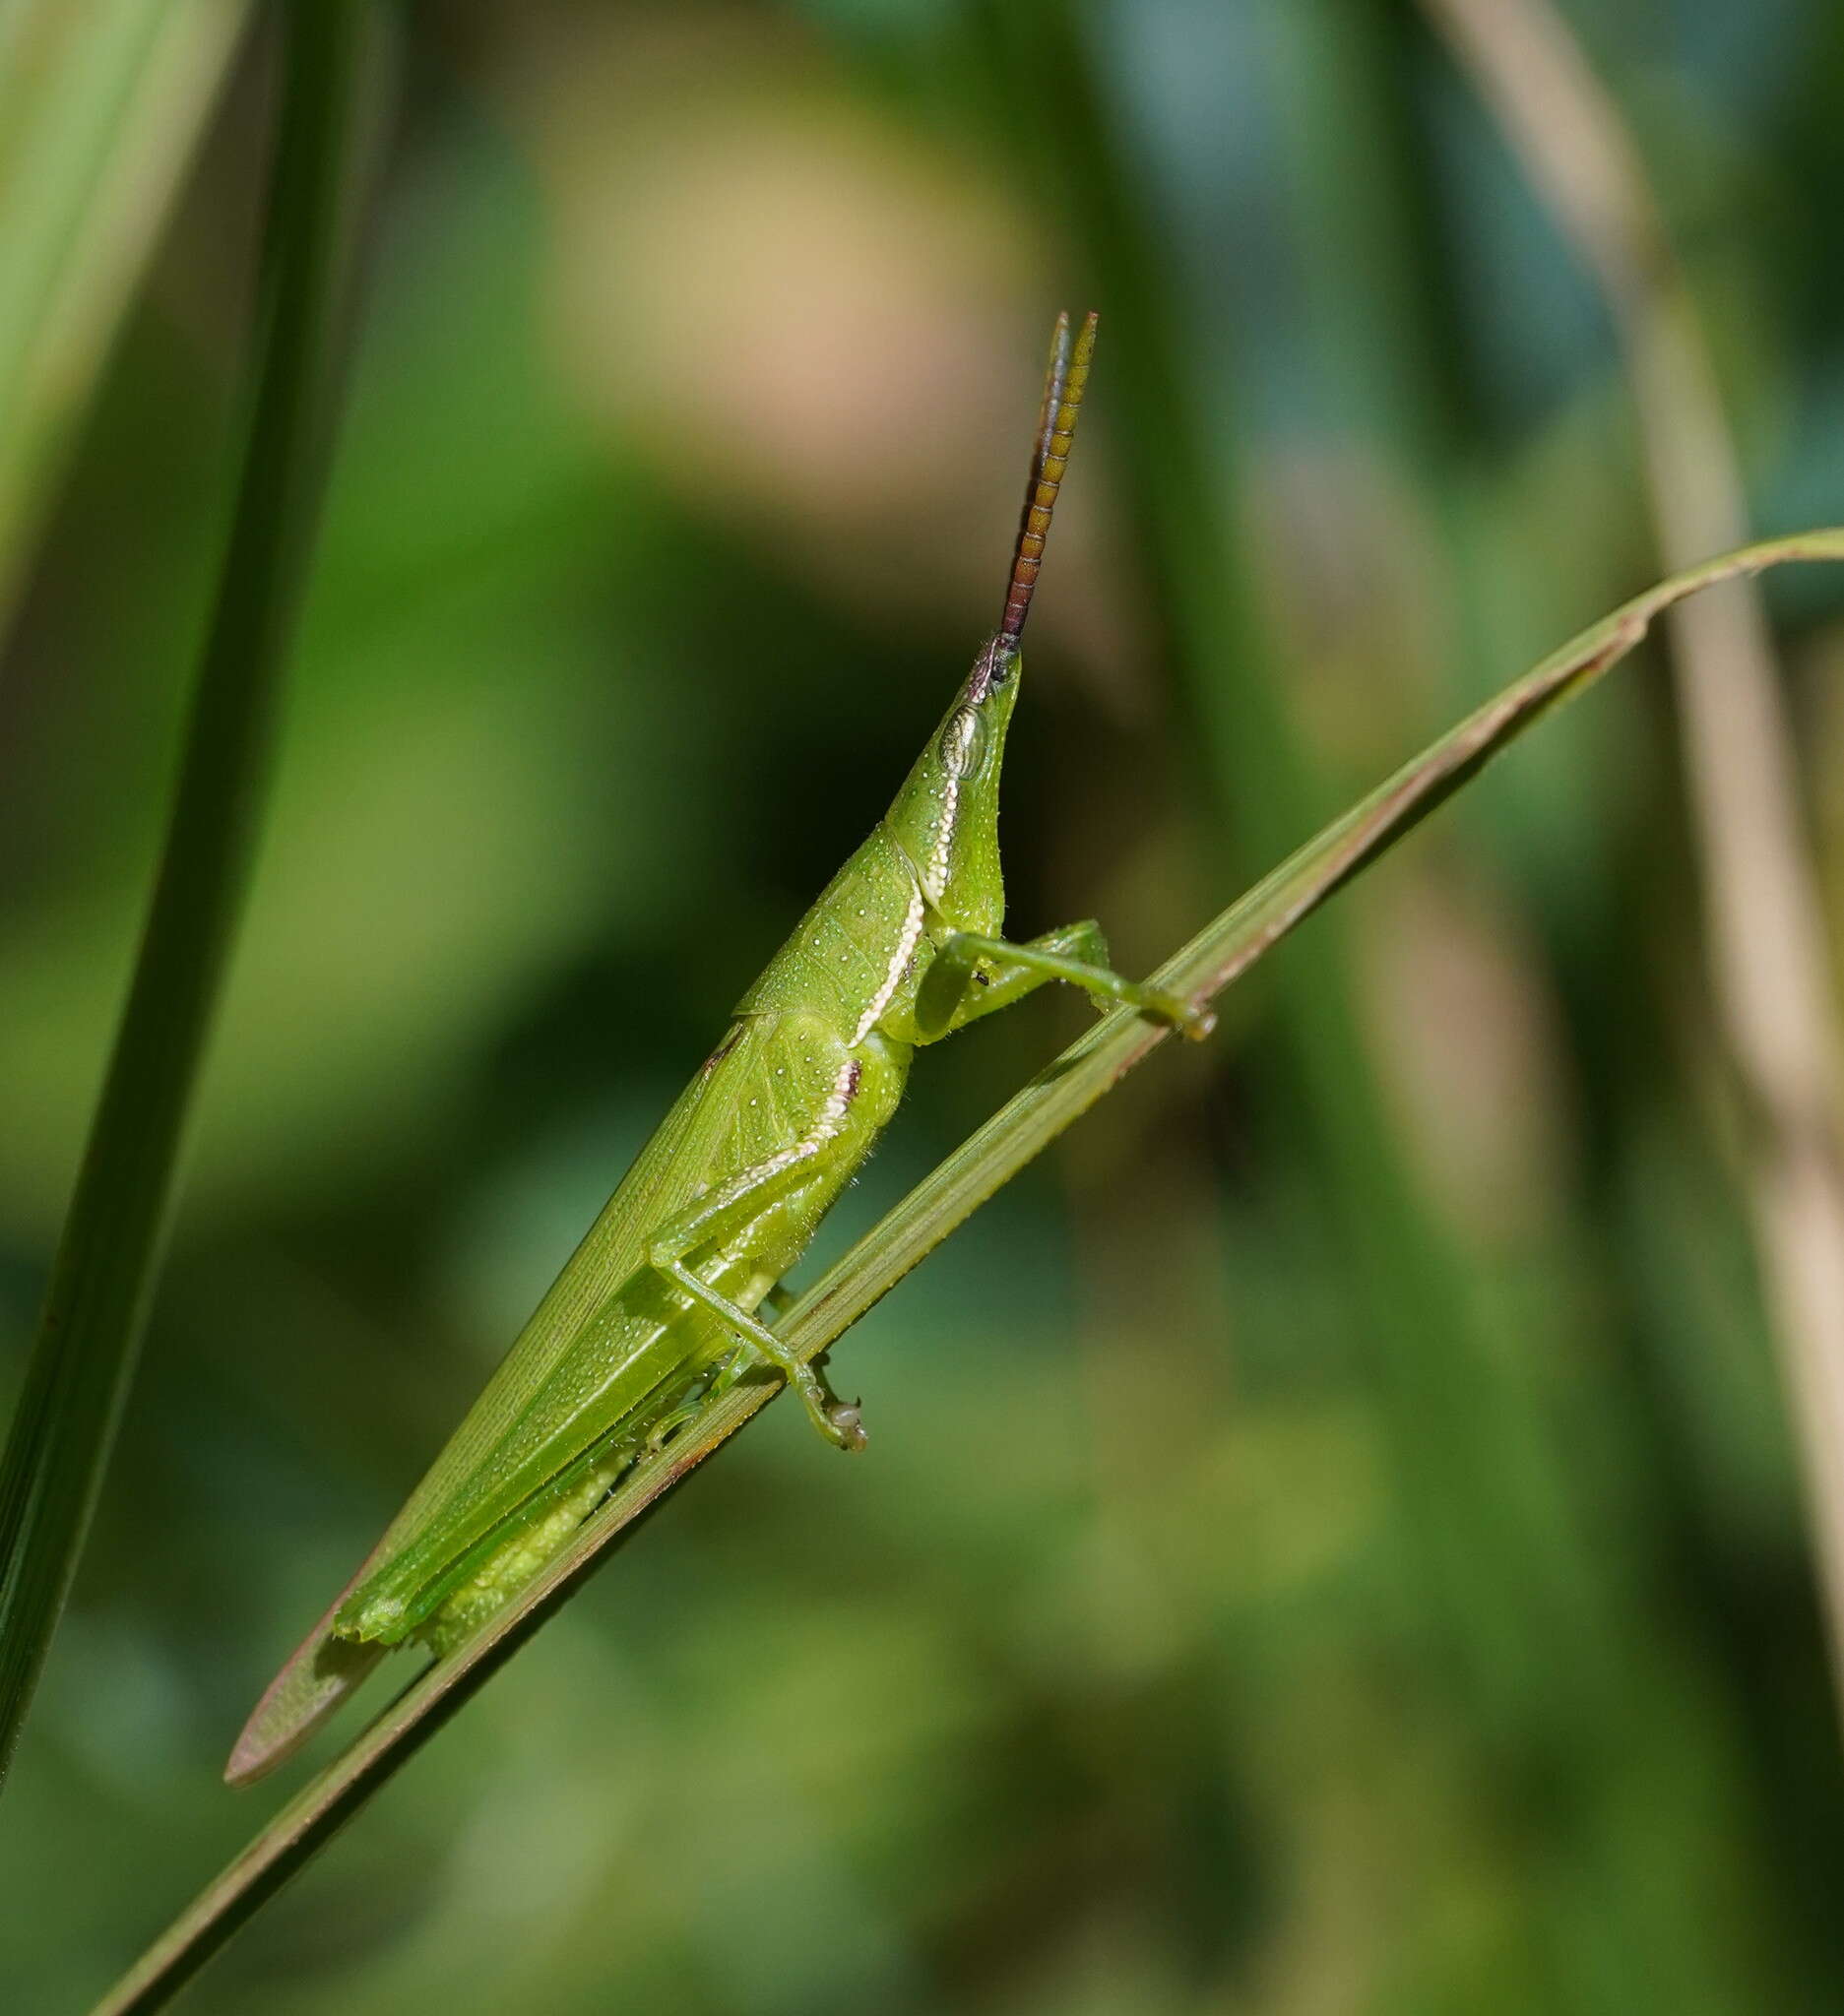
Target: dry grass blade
x=1051, y=1103
x=1768, y=958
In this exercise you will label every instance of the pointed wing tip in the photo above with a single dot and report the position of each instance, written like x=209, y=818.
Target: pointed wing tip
x=294, y=1704
x=316, y=1677
x=278, y=1726
x=253, y=1758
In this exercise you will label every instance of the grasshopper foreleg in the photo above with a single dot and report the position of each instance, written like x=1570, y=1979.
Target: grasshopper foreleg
x=971, y=976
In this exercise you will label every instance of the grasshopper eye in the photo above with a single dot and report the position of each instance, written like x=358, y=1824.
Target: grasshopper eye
x=962, y=742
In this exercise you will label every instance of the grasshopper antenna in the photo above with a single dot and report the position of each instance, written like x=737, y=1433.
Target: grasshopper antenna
x=1063, y=386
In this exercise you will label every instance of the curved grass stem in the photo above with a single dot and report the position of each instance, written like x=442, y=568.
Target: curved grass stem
x=1053, y=1099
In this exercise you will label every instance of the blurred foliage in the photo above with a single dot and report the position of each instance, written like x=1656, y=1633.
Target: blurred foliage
x=1142, y=1665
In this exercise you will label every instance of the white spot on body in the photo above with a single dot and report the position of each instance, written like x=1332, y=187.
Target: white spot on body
x=935, y=867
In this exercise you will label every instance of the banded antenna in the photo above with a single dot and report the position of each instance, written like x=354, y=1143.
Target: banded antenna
x=1063, y=386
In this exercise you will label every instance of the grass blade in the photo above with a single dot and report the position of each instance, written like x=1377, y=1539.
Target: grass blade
x=1051, y=1103
x=103, y=1277
x=100, y=109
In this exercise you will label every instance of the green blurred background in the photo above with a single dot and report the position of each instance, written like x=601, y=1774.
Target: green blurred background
x=1330, y=1541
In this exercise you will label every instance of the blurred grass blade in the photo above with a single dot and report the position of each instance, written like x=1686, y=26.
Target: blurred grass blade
x=103, y=1277
x=1770, y=964
x=100, y=109
x=1056, y=1097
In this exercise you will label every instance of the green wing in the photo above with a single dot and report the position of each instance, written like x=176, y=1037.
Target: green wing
x=591, y=1353
x=582, y=1362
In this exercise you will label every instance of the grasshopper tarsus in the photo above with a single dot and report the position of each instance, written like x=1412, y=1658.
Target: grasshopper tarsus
x=1192, y=1024
x=848, y=1423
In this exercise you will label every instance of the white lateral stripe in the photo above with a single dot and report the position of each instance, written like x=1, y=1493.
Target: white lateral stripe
x=900, y=955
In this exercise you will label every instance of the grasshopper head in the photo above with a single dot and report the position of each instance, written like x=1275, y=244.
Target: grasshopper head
x=946, y=816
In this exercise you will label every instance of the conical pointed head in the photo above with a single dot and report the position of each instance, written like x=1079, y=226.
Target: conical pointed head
x=946, y=816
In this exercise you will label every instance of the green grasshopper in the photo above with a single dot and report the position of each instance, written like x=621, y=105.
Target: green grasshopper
x=654, y=1315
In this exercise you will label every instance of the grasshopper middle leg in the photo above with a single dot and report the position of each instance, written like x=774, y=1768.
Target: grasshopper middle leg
x=732, y=1204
